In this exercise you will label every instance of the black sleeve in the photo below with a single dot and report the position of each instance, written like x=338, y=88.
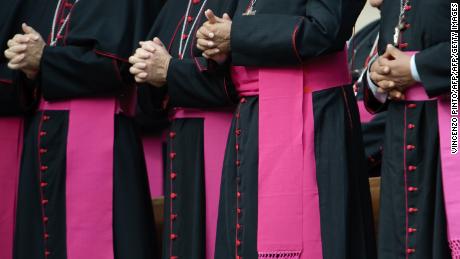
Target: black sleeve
x=17, y=93
x=433, y=66
x=277, y=39
x=75, y=71
x=91, y=60
x=198, y=83
x=151, y=115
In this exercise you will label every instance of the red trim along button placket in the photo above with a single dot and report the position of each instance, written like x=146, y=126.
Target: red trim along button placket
x=173, y=195
x=239, y=194
x=42, y=171
x=410, y=169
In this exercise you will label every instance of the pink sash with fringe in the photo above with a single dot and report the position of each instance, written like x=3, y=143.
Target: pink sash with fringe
x=216, y=127
x=449, y=163
x=288, y=202
x=89, y=176
x=11, y=138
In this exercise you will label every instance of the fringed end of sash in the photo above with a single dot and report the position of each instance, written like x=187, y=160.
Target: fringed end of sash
x=280, y=255
x=455, y=248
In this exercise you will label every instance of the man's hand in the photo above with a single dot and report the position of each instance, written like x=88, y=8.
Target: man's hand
x=151, y=63
x=25, y=51
x=214, y=37
x=139, y=64
x=392, y=73
x=400, y=69
x=16, y=48
x=379, y=74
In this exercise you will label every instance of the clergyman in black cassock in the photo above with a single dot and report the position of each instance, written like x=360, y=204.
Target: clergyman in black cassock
x=412, y=214
x=277, y=39
x=16, y=101
x=16, y=96
x=83, y=69
x=200, y=98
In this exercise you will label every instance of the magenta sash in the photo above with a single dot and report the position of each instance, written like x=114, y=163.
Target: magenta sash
x=11, y=138
x=449, y=164
x=89, y=178
x=153, y=152
x=216, y=127
x=364, y=115
x=288, y=202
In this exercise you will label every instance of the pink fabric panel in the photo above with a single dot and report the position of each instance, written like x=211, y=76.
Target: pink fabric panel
x=417, y=93
x=216, y=127
x=89, y=178
x=327, y=71
x=11, y=137
x=364, y=115
x=311, y=215
x=153, y=151
x=280, y=161
x=246, y=80
x=90, y=183
x=287, y=167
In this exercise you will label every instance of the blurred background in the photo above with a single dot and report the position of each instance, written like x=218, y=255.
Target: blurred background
x=368, y=15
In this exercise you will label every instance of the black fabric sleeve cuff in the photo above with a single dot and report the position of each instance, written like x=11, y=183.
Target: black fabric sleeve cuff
x=17, y=95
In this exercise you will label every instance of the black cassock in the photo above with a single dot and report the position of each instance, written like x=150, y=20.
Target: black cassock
x=192, y=82
x=412, y=221
x=16, y=100
x=16, y=96
x=88, y=61
x=266, y=40
x=360, y=51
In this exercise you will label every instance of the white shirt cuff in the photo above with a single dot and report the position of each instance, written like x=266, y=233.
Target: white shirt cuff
x=413, y=69
x=381, y=97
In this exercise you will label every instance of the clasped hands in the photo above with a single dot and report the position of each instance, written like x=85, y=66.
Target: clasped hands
x=150, y=62
x=214, y=37
x=25, y=51
x=392, y=73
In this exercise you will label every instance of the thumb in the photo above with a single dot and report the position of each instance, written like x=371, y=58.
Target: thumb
x=392, y=51
x=210, y=16
x=227, y=17
x=158, y=41
x=29, y=30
